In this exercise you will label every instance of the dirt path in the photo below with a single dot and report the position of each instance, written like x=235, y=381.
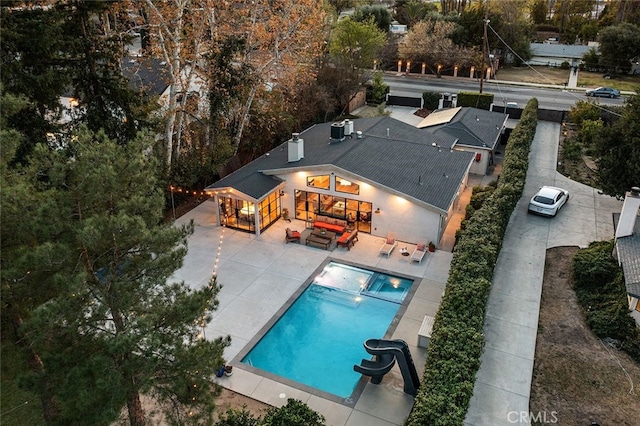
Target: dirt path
x=576, y=378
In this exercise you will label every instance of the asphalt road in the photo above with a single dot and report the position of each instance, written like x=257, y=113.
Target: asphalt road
x=549, y=96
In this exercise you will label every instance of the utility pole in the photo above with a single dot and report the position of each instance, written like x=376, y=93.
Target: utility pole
x=484, y=43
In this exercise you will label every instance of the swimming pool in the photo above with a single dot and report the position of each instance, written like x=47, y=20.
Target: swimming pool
x=320, y=336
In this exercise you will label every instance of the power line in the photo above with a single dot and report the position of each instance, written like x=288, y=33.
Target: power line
x=544, y=76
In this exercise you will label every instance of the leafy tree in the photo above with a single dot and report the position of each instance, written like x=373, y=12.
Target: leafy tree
x=354, y=46
x=340, y=5
x=285, y=40
x=538, y=10
x=114, y=327
x=618, y=45
x=380, y=15
x=451, y=6
x=429, y=42
x=616, y=149
x=591, y=59
x=410, y=12
x=570, y=15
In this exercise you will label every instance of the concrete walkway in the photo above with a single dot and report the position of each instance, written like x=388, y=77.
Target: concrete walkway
x=503, y=383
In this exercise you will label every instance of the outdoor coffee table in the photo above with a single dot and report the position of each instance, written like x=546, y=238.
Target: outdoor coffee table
x=319, y=240
x=323, y=233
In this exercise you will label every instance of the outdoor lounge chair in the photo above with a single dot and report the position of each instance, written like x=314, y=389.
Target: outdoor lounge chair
x=292, y=236
x=389, y=244
x=418, y=253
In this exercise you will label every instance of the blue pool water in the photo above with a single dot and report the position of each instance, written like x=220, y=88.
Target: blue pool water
x=319, y=338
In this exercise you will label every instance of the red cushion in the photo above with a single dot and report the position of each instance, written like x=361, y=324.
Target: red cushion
x=344, y=237
x=295, y=234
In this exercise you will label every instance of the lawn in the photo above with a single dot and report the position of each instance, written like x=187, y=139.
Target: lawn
x=558, y=76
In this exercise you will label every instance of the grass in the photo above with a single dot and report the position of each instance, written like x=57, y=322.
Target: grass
x=558, y=76
x=629, y=83
x=17, y=406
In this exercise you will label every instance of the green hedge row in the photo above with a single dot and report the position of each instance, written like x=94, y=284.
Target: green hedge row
x=457, y=340
x=475, y=99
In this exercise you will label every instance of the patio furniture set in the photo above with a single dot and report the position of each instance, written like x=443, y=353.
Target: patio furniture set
x=322, y=237
x=390, y=243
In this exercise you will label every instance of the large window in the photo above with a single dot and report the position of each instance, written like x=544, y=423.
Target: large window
x=320, y=181
x=344, y=185
x=240, y=214
x=356, y=213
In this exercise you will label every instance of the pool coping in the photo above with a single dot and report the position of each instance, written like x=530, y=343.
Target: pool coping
x=352, y=400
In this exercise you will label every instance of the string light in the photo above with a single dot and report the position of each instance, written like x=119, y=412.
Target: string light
x=214, y=275
x=188, y=191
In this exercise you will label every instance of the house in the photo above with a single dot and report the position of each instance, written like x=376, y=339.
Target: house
x=627, y=249
x=554, y=55
x=379, y=175
x=468, y=129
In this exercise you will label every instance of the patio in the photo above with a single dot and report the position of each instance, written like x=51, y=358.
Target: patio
x=260, y=273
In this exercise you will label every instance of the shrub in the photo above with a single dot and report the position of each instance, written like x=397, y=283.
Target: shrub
x=378, y=89
x=474, y=99
x=453, y=356
x=431, y=100
x=294, y=413
x=572, y=150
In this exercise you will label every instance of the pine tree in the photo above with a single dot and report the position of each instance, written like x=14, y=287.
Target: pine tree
x=115, y=326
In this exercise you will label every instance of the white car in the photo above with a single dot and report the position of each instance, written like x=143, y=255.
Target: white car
x=548, y=201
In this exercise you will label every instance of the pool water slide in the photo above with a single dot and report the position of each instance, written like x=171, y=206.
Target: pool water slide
x=399, y=351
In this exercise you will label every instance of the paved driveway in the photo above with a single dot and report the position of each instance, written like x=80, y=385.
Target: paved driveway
x=503, y=383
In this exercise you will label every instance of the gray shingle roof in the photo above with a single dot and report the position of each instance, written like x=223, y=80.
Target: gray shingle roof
x=472, y=127
x=148, y=75
x=629, y=256
x=559, y=50
x=405, y=162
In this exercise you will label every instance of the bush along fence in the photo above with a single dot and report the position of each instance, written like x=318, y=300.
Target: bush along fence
x=457, y=340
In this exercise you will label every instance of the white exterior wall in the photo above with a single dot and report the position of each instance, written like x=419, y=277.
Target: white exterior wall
x=411, y=222
x=633, y=306
x=477, y=167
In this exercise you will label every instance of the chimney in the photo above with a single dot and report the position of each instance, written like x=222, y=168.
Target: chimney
x=348, y=128
x=629, y=213
x=296, y=148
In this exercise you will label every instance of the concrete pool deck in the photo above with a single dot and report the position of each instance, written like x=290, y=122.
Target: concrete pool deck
x=260, y=273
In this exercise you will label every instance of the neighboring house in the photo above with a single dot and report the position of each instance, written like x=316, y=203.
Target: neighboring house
x=147, y=75
x=468, y=129
x=627, y=248
x=151, y=77
x=378, y=174
x=554, y=55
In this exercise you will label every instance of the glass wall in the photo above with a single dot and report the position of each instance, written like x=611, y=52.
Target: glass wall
x=240, y=214
x=357, y=213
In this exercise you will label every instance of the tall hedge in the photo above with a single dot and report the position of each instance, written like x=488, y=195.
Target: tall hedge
x=475, y=99
x=457, y=340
